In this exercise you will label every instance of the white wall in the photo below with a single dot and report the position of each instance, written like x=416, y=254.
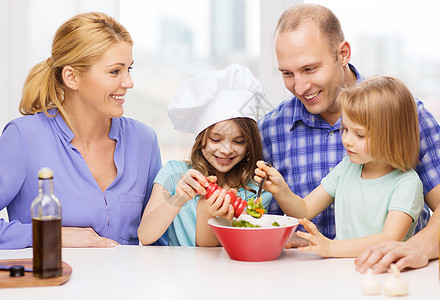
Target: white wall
x=270, y=76
x=24, y=44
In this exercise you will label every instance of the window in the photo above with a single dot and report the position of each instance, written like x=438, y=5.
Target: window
x=176, y=39
x=395, y=38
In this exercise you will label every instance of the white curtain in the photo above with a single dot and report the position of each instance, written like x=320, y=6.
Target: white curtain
x=269, y=74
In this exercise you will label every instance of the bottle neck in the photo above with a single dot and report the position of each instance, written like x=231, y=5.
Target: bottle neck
x=45, y=206
x=46, y=186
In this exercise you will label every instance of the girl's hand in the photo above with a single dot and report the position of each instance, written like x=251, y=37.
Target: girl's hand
x=274, y=183
x=318, y=242
x=189, y=185
x=219, y=204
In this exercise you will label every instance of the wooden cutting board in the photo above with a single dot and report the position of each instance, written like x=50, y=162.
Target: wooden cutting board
x=28, y=279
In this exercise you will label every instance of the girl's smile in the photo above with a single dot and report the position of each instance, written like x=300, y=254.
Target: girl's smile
x=224, y=160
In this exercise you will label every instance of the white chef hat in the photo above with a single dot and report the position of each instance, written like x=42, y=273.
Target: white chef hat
x=211, y=97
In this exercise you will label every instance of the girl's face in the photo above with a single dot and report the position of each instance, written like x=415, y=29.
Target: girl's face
x=225, y=146
x=103, y=87
x=355, y=141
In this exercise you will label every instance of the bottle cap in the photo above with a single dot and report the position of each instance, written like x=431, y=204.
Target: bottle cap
x=45, y=173
x=16, y=271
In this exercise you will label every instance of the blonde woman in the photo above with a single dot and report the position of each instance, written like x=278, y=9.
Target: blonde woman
x=103, y=163
x=376, y=192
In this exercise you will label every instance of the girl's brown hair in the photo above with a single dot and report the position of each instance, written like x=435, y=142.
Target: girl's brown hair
x=242, y=172
x=77, y=43
x=387, y=110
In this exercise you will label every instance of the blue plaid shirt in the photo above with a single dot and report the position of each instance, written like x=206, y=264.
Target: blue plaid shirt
x=304, y=148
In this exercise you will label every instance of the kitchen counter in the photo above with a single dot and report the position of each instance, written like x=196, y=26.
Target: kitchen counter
x=153, y=272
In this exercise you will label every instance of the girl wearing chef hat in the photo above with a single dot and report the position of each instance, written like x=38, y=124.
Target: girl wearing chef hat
x=219, y=107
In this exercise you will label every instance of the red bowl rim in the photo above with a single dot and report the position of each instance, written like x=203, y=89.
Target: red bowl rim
x=229, y=227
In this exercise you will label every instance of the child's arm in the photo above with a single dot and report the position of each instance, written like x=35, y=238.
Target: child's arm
x=162, y=208
x=396, y=227
x=292, y=204
x=216, y=205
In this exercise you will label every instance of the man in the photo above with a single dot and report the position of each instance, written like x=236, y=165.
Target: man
x=302, y=137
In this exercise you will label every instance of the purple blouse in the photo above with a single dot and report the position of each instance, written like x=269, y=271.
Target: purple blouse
x=31, y=142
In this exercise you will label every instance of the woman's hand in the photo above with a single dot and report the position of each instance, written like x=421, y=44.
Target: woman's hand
x=76, y=237
x=318, y=242
x=189, y=185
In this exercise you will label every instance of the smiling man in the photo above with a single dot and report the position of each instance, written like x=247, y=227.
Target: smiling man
x=302, y=137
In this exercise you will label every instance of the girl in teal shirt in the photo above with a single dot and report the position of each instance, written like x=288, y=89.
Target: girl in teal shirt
x=376, y=193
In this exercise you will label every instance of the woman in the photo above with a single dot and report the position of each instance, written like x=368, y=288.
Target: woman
x=103, y=163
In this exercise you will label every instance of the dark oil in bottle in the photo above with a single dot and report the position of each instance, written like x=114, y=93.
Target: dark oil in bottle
x=47, y=260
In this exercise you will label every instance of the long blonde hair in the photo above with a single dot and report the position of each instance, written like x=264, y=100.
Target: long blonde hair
x=77, y=43
x=387, y=110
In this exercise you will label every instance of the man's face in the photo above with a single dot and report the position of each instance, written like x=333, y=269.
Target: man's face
x=311, y=70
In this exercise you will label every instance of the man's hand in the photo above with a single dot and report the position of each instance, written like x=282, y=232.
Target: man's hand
x=296, y=242
x=380, y=256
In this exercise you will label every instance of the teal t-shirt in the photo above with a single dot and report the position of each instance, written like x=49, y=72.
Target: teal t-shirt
x=182, y=231
x=362, y=205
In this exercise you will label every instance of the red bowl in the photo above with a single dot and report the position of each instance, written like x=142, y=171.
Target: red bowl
x=257, y=243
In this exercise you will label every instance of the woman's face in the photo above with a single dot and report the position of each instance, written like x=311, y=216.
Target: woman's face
x=103, y=87
x=225, y=146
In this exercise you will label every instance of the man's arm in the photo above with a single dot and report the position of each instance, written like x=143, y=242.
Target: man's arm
x=432, y=199
x=414, y=253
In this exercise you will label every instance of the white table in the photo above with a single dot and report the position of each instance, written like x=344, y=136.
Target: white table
x=136, y=272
